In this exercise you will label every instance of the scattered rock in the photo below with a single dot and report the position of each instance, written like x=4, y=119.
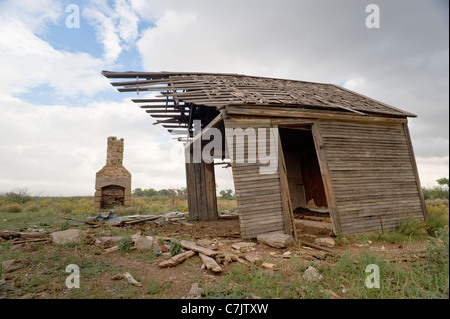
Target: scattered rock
x=163, y=248
x=66, y=236
x=144, y=243
x=131, y=280
x=11, y=265
x=210, y=263
x=325, y=242
x=287, y=254
x=195, y=292
x=110, y=250
x=109, y=241
x=253, y=258
x=311, y=274
x=300, y=292
x=269, y=266
x=244, y=246
x=118, y=277
x=277, y=240
x=175, y=260
x=207, y=243
x=193, y=246
x=166, y=256
x=321, y=254
x=333, y=294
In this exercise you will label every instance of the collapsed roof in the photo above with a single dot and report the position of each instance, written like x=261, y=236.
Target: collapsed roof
x=186, y=96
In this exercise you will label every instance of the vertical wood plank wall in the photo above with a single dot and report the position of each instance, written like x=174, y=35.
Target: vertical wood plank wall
x=201, y=189
x=371, y=168
x=258, y=196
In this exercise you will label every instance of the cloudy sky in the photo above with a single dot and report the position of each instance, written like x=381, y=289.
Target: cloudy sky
x=56, y=110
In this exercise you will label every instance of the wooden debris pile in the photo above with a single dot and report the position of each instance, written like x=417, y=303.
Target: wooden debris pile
x=23, y=237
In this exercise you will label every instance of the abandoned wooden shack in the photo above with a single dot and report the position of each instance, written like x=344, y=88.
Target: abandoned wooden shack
x=337, y=153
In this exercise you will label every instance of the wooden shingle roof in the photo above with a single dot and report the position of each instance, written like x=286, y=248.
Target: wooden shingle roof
x=180, y=91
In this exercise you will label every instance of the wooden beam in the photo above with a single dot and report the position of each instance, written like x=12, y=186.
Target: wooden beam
x=288, y=215
x=211, y=124
x=326, y=178
x=165, y=111
x=153, y=100
x=416, y=171
x=162, y=106
x=304, y=113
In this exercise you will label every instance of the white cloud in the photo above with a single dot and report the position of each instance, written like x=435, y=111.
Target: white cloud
x=117, y=27
x=36, y=14
x=57, y=149
x=27, y=61
x=432, y=168
x=404, y=63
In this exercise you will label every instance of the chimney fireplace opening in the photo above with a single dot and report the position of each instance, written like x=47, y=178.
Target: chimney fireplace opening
x=113, y=181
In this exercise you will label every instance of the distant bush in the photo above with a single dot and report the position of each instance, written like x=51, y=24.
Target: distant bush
x=32, y=208
x=227, y=194
x=19, y=195
x=171, y=193
x=13, y=208
x=440, y=191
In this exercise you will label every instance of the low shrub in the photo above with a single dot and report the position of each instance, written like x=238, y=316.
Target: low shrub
x=125, y=244
x=13, y=208
x=437, y=218
x=411, y=226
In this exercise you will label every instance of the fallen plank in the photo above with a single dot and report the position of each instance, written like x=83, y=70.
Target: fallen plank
x=8, y=234
x=319, y=247
x=177, y=259
x=210, y=263
x=136, y=221
x=31, y=240
x=201, y=250
x=94, y=224
x=110, y=250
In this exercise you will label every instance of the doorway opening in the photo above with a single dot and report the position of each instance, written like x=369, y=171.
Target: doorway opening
x=306, y=189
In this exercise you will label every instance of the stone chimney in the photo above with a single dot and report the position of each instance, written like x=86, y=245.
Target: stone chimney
x=113, y=181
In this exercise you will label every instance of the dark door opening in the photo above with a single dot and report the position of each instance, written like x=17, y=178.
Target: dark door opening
x=306, y=189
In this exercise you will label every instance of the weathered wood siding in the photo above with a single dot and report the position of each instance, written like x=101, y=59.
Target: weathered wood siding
x=372, y=171
x=258, y=195
x=201, y=189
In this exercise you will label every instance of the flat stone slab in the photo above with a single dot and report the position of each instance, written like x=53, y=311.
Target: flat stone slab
x=144, y=243
x=325, y=242
x=277, y=240
x=11, y=265
x=66, y=236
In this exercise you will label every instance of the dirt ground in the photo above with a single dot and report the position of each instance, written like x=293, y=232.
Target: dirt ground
x=176, y=281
